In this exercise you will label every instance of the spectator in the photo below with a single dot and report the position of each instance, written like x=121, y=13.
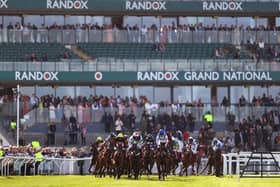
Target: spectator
x=33, y=58
x=118, y=125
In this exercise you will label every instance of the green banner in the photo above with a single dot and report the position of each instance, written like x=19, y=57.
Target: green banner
x=140, y=5
x=121, y=77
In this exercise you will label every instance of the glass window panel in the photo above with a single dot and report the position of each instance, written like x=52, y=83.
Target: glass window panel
x=162, y=94
x=44, y=90
x=124, y=91
x=203, y=93
x=221, y=93
x=257, y=91
x=168, y=21
x=207, y=21
x=65, y=91
x=277, y=21
x=182, y=94
x=236, y=92
x=12, y=19
x=144, y=91
x=73, y=20
x=105, y=90
x=33, y=19
x=95, y=19
x=148, y=21
x=132, y=20
x=187, y=20
x=226, y=21
x=262, y=22
x=246, y=21
x=50, y=20
x=274, y=91
x=26, y=90
x=84, y=91
x=108, y=20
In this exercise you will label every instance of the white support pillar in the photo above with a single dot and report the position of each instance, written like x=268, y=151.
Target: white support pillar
x=18, y=95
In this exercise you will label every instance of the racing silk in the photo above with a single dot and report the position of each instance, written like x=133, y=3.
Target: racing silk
x=150, y=144
x=175, y=144
x=193, y=147
x=218, y=145
x=131, y=140
x=180, y=146
x=162, y=139
x=120, y=142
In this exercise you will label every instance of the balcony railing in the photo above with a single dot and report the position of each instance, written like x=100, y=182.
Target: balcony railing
x=44, y=115
x=123, y=65
x=124, y=36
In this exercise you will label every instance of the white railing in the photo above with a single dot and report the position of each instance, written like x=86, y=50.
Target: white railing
x=232, y=162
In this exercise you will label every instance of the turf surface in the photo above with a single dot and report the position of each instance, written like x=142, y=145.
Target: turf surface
x=81, y=181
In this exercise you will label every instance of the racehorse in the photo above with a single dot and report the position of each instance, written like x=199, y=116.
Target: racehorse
x=190, y=159
x=94, y=157
x=148, y=157
x=134, y=159
x=161, y=160
x=210, y=162
x=118, y=161
x=186, y=160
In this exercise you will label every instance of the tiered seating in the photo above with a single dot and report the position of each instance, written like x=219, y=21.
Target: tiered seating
x=13, y=52
x=145, y=50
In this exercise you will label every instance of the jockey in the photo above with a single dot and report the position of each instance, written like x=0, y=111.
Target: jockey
x=150, y=142
x=110, y=140
x=135, y=139
x=162, y=138
x=99, y=143
x=120, y=141
x=192, y=144
x=179, y=144
x=217, y=144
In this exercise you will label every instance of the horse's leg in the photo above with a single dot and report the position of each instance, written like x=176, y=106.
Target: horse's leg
x=159, y=171
x=198, y=162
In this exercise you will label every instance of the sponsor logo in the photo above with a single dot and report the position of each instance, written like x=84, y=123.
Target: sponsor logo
x=217, y=6
x=98, y=76
x=145, y=5
x=3, y=4
x=157, y=76
x=67, y=4
x=36, y=76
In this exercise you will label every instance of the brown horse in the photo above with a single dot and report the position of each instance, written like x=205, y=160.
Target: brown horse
x=161, y=160
x=118, y=161
x=94, y=158
x=148, y=157
x=135, y=161
x=210, y=162
x=186, y=161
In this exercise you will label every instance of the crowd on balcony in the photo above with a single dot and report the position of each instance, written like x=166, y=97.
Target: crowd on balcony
x=29, y=32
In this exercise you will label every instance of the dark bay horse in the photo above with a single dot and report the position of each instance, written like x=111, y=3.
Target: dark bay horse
x=118, y=161
x=161, y=161
x=135, y=161
x=149, y=160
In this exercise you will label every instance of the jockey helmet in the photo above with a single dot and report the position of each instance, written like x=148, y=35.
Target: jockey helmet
x=112, y=135
x=99, y=139
x=136, y=134
x=161, y=132
x=179, y=135
x=191, y=139
x=120, y=135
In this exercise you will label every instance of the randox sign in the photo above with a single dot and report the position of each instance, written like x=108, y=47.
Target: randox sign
x=3, y=4
x=222, y=6
x=145, y=5
x=67, y=4
x=36, y=76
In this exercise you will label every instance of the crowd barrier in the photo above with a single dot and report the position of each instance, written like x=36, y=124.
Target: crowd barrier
x=69, y=166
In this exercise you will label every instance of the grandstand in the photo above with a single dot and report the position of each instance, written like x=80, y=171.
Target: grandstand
x=167, y=63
